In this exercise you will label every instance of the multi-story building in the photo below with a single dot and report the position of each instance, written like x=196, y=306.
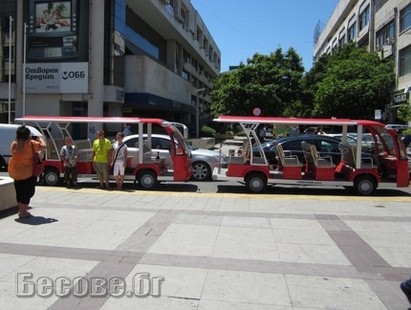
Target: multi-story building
x=149, y=58
x=379, y=25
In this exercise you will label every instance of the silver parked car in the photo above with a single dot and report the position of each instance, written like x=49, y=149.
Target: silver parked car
x=203, y=161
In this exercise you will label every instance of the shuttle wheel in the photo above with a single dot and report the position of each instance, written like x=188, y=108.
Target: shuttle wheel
x=365, y=185
x=147, y=179
x=256, y=182
x=51, y=176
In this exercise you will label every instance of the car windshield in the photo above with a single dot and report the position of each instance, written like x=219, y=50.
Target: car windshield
x=156, y=143
x=350, y=140
x=294, y=144
x=162, y=143
x=367, y=137
x=385, y=140
x=178, y=136
x=267, y=145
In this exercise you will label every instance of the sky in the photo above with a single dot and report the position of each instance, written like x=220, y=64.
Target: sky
x=243, y=28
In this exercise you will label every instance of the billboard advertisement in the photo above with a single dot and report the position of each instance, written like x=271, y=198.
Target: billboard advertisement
x=56, y=31
x=56, y=77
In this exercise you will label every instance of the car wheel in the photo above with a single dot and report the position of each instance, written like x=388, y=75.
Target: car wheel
x=147, y=179
x=201, y=171
x=365, y=185
x=51, y=176
x=256, y=182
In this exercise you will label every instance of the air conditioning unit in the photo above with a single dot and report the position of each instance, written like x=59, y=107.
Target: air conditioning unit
x=386, y=51
x=389, y=41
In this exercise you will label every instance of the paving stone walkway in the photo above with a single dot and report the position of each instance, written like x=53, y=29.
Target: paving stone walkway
x=93, y=249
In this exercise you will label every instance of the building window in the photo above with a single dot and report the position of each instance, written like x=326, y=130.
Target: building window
x=184, y=17
x=334, y=46
x=185, y=75
x=194, y=63
x=405, y=61
x=405, y=18
x=341, y=41
x=205, y=44
x=385, y=35
x=193, y=81
x=364, y=18
x=143, y=43
x=6, y=54
x=352, y=32
x=210, y=53
x=199, y=37
x=169, y=7
x=328, y=51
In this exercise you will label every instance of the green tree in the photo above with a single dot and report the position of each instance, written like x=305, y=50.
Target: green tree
x=404, y=112
x=272, y=83
x=310, y=85
x=354, y=84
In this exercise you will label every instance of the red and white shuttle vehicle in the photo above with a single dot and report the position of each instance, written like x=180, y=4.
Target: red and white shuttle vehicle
x=384, y=163
x=150, y=168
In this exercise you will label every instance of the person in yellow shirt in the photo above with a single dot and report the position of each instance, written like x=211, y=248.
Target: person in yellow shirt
x=102, y=155
x=20, y=167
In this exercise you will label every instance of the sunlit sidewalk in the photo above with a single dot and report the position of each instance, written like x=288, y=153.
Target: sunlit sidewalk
x=94, y=249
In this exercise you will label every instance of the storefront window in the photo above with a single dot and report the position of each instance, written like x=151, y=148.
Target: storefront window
x=7, y=20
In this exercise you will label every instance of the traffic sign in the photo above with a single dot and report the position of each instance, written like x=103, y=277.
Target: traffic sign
x=256, y=111
x=377, y=114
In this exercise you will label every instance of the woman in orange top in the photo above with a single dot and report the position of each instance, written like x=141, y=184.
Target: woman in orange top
x=20, y=167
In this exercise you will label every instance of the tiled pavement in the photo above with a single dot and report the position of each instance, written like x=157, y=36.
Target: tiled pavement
x=205, y=251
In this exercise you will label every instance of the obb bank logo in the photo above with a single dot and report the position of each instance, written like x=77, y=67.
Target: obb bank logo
x=73, y=75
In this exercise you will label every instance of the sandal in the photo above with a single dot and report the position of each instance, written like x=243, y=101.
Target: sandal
x=26, y=215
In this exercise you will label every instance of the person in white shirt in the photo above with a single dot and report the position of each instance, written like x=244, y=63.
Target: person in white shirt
x=119, y=162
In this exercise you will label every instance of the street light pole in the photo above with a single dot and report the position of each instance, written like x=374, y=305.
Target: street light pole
x=10, y=34
x=24, y=69
x=197, y=91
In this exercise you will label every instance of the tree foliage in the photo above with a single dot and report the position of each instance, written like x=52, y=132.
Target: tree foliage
x=404, y=112
x=269, y=82
x=350, y=83
x=354, y=84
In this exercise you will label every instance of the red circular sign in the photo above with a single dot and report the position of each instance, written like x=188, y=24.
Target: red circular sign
x=256, y=111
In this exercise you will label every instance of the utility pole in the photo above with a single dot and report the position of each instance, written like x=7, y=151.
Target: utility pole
x=198, y=91
x=10, y=54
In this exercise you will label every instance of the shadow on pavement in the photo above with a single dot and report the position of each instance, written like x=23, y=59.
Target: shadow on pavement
x=241, y=189
x=36, y=220
x=131, y=187
x=173, y=187
x=310, y=191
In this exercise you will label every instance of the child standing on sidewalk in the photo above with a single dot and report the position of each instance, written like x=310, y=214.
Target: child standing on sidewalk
x=68, y=155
